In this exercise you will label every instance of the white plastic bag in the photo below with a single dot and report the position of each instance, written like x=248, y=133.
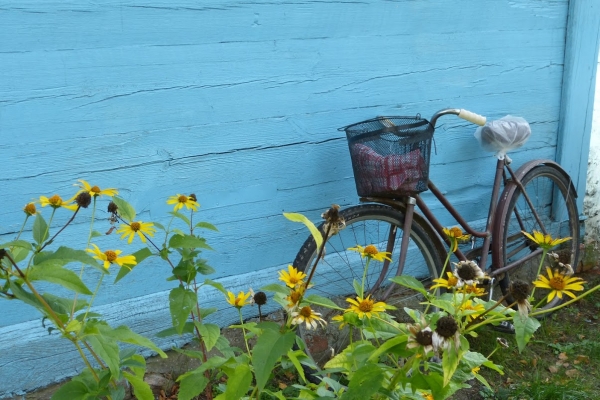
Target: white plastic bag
x=503, y=135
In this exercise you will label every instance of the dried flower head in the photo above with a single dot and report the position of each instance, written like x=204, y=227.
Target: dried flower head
x=502, y=342
x=446, y=333
x=468, y=271
x=519, y=290
x=83, y=199
x=112, y=208
x=260, y=298
x=334, y=222
x=421, y=335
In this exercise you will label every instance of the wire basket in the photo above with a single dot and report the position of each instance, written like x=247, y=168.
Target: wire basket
x=390, y=155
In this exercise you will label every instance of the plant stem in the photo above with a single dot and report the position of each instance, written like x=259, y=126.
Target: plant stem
x=244, y=332
x=544, y=252
x=61, y=229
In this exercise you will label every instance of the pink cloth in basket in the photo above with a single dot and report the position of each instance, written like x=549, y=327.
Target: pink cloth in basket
x=393, y=173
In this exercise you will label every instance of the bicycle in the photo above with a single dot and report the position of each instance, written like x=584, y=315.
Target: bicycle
x=390, y=158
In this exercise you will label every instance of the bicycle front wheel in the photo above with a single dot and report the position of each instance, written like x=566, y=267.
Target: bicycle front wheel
x=365, y=224
x=553, y=199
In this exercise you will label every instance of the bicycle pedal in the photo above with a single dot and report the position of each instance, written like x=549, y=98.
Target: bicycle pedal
x=505, y=327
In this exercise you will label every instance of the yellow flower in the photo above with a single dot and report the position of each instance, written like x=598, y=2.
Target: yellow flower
x=294, y=297
x=427, y=396
x=449, y=283
x=239, y=301
x=29, y=209
x=112, y=257
x=139, y=227
x=544, y=241
x=559, y=284
x=308, y=316
x=340, y=320
x=293, y=278
x=475, y=370
x=181, y=200
x=455, y=235
x=95, y=190
x=365, y=307
x=56, y=202
x=473, y=310
x=371, y=252
x=472, y=289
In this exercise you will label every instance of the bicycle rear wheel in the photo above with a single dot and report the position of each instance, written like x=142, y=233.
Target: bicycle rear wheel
x=553, y=200
x=335, y=273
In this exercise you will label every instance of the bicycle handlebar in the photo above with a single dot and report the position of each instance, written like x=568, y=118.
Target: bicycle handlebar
x=472, y=117
x=462, y=113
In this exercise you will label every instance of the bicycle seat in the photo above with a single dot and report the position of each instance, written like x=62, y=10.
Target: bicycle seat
x=503, y=135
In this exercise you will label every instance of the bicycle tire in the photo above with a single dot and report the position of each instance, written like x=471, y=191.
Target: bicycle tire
x=365, y=224
x=553, y=197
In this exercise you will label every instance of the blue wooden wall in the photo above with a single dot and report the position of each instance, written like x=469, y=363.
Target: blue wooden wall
x=239, y=102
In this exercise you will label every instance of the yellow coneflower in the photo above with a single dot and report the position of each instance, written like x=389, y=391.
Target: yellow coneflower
x=140, y=228
x=309, y=317
x=181, y=200
x=95, y=190
x=239, y=301
x=109, y=257
x=546, y=242
x=559, y=284
x=292, y=277
x=365, y=307
x=371, y=252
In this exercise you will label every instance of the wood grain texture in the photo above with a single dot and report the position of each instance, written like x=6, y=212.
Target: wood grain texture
x=579, y=84
x=239, y=102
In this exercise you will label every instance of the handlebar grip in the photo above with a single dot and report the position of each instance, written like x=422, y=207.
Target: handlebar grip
x=472, y=117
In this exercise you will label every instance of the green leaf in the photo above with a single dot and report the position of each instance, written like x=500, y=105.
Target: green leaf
x=65, y=255
x=125, y=210
x=295, y=217
x=191, y=386
x=293, y=356
x=322, y=301
x=96, y=234
x=203, y=268
x=364, y=383
x=17, y=243
x=238, y=383
x=187, y=328
x=188, y=242
x=60, y=276
x=277, y=288
x=216, y=285
x=181, y=217
x=451, y=358
x=206, y=225
x=141, y=389
x=40, y=229
x=108, y=350
x=123, y=334
x=71, y=390
x=25, y=296
x=410, y=282
x=385, y=347
x=210, y=334
x=181, y=303
x=63, y=305
x=269, y=348
x=140, y=256
x=524, y=329
x=357, y=288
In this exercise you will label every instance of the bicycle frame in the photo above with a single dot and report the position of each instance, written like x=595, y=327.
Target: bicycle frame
x=492, y=224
